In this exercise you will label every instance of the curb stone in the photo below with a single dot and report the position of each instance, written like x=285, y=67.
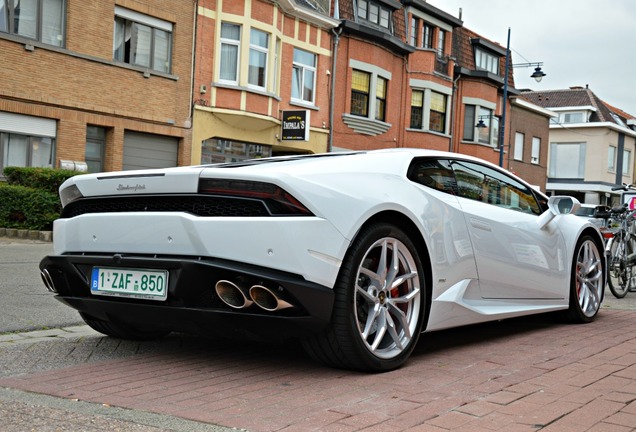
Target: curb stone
x=44, y=236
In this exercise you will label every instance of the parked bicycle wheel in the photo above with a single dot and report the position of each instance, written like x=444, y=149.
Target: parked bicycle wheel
x=621, y=276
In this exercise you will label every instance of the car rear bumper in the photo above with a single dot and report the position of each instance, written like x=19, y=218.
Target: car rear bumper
x=192, y=304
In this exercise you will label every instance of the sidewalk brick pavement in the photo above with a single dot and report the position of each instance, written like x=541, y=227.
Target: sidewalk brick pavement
x=529, y=374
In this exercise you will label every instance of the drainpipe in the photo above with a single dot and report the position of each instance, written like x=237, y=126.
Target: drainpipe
x=453, y=126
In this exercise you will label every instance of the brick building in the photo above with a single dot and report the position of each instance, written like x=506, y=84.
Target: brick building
x=106, y=84
x=261, y=71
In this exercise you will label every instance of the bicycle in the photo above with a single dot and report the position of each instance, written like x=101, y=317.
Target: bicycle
x=621, y=249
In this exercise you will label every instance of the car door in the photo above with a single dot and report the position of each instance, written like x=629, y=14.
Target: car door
x=515, y=258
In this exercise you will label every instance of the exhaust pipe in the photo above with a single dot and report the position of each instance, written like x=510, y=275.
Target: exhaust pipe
x=232, y=295
x=48, y=281
x=264, y=298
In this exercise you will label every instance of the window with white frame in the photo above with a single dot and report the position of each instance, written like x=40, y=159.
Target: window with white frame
x=567, y=160
x=573, y=117
x=627, y=162
x=26, y=150
x=380, y=98
x=303, y=76
x=142, y=40
x=536, y=150
x=360, y=87
x=437, y=121
x=486, y=61
x=480, y=125
x=230, y=48
x=518, y=153
x=611, y=159
x=441, y=42
x=427, y=36
x=26, y=141
x=415, y=30
x=417, y=109
x=259, y=48
x=41, y=20
x=429, y=110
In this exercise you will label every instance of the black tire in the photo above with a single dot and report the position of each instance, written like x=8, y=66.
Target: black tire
x=121, y=331
x=621, y=276
x=587, y=283
x=378, y=313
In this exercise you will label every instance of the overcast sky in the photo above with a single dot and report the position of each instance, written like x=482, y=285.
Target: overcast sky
x=579, y=42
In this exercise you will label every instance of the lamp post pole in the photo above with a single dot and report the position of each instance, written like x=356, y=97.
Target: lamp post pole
x=502, y=127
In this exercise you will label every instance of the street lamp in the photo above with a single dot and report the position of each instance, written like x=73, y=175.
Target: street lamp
x=538, y=75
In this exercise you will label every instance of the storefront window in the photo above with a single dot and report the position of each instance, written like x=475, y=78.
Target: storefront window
x=219, y=150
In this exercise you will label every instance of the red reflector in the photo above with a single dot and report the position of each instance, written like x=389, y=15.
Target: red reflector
x=607, y=234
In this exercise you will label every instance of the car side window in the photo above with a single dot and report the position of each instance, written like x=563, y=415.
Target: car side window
x=481, y=183
x=434, y=173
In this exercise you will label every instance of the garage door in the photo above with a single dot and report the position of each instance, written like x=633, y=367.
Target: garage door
x=149, y=151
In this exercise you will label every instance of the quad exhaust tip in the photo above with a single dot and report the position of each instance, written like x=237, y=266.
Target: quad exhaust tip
x=266, y=299
x=238, y=297
x=232, y=295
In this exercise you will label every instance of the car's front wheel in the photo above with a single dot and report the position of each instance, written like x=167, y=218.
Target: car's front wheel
x=380, y=304
x=122, y=331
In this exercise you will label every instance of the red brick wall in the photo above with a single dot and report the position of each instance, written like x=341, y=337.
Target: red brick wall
x=531, y=125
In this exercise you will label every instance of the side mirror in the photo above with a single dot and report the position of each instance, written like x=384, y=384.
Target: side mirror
x=558, y=205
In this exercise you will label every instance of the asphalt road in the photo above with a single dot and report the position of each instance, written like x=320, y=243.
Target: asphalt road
x=25, y=304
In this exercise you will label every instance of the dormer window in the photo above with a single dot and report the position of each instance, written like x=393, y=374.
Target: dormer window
x=486, y=61
x=374, y=13
x=569, y=117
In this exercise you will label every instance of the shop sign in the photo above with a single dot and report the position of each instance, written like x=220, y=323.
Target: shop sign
x=295, y=125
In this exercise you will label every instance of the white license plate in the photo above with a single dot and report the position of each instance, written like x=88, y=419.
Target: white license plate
x=125, y=282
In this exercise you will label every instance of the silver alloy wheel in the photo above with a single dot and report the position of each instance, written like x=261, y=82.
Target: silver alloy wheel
x=589, y=278
x=387, y=298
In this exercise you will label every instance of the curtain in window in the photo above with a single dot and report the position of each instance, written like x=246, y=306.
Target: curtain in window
x=119, y=33
x=303, y=78
x=380, y=99
x=469, y=122
x=229, y=52
x=52, y=22
x=360, y=82
x=41, y=152
x=417, y=108
x=161, y=57
x=256, y=70
x=16, y=150
x=567, y=160
x=142, y=38
x=308, y=88
x=258, y=58
x=4, y=16
x=297, y=78
x=438, y=112
x=25, y=14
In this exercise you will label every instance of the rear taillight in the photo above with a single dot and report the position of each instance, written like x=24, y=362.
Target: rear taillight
x=278, y=201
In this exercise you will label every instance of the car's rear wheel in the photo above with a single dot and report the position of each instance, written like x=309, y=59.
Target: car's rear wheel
x=587, y=282
x=379, y=304
x=122, y=331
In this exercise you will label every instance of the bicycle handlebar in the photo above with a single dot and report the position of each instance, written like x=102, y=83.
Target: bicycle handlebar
x=624, y=187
